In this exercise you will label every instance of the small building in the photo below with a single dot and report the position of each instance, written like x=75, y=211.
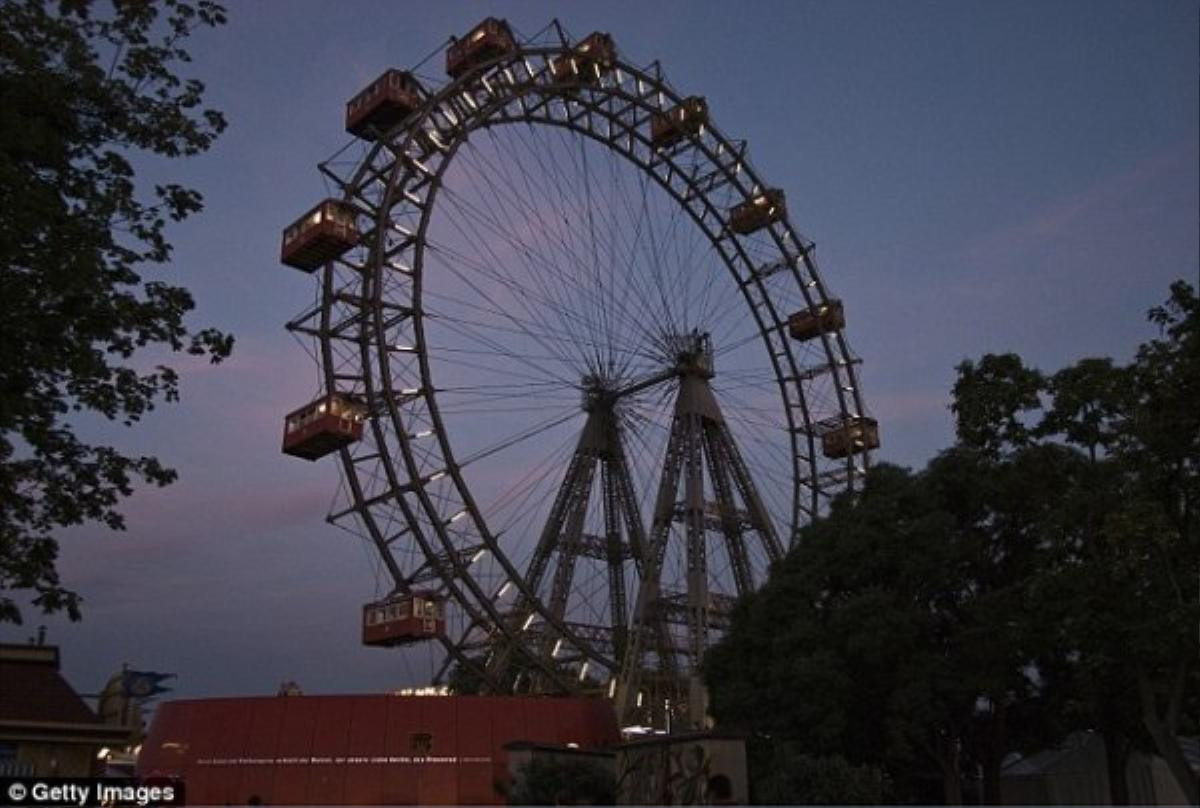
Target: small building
x=46, y=729
x=703, y=768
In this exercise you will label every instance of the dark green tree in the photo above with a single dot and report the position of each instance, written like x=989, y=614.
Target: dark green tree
x=881, y=635
x=784, y=775
x=1037, y=578
x=85, y=90
x=1123, y=614
x=559, y=781
x=1153, y=536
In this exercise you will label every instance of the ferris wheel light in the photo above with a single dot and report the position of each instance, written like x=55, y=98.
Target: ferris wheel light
x=557, y=648
x=583, y=671
x=612, y=687
x=425, y=433
x=458, y=516
x=436, y=475
x=478, y=555
x=504, y=589
x=528, y=623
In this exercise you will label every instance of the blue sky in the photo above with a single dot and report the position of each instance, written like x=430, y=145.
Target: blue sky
x=977, y=177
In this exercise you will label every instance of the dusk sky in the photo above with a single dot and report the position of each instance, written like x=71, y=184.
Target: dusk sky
x=1018, y=176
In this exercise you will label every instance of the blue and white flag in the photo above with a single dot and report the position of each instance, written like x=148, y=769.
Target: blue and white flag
x=144, y=684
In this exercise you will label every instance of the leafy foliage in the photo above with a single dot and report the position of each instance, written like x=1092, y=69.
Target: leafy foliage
x=1036, y=578
x=786, y=776
x=557, y=781
x=84, y=89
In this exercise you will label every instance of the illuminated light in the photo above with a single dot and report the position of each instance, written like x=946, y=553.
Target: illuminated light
x=639, y=699
x=528, y=623
x=458, y=515
x=557, y=648
x=572, y=745
x=425, y=434
x=583, y=671
x=410, y=391
x=504, y=589
x=431, y=690
x=612, y=688
x=478, y=35
x=437, y=476
x=321, y=408
x=478, y=555
x=405, y=348
x=137, y=750
x=103, y=753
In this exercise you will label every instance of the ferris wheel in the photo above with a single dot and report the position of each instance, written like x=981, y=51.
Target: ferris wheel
x=583, y=378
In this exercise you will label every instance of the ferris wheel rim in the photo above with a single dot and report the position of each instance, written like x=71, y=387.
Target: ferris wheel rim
x=833, y=342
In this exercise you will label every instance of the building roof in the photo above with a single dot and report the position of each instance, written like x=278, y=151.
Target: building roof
x=34, y=690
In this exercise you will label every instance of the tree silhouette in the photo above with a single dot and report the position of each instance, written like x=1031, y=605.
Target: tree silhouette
x=85, y=90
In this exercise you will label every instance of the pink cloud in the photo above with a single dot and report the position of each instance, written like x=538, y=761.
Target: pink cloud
x=1110, y=206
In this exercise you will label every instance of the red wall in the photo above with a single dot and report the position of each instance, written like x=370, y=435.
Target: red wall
x=359, y=750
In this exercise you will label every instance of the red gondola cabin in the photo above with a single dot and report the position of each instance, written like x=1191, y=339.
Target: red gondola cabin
x=403, y=619
x=764, y=208
x=843, y=436
x=811, y=323
x=595, y=54
x=319, y=236
x=324, y=426
x=386, y=102
x=489, y=40
x=681, y=121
